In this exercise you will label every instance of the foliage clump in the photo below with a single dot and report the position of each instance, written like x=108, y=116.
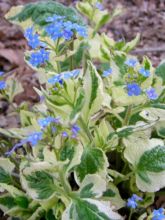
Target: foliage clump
x=94, y=144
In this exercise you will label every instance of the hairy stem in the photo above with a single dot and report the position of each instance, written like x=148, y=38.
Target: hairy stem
x=127, y=115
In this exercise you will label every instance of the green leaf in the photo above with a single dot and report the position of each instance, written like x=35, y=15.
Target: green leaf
x=93, y=161
x=90, y=209
x=39, y=12
x=93, y=185
x=160, y=128
x=121, y=98
x=158, y=105
x=21, y=213
x=50, y=215
x=38, y=214
x=67, y=151
x=78, y=105
x=41, y=183
x=112, y=194
x=95, y=84
x=152, y=160
x=131, y=45
x=6, y=202
x=148, y=159
x=6, y=167
x=87, y=210
x=95, y=96
x=160, y=71
x=85, y=8
x=105, y=18
x=14, y=87
x=71, y=154
x=22, y=201
x=153, y=114
x=5, y=177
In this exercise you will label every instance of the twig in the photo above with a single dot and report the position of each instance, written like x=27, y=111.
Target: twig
x=149, y=50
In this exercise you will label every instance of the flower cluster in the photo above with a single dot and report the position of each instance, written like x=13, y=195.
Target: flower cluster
x=33, y=139
x=151, y=93
x=39, y=57
x=44, y=122
x=133, y=88
x=33, y=38
x=131, y=62
x=37, y=136
x=158, y=214
x=59, y=28
x=2, y=82
x=74, y=130
x=132, y=202
x=62, y=76
x=144, y=72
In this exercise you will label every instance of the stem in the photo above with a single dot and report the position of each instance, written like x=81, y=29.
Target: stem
x=84, y=62
x=127, y=116
x=64, y=183
x=57, y=51
x=118, y=117
x=85, y=128
x=130, y=214
x=71, y=58
x=125, y=178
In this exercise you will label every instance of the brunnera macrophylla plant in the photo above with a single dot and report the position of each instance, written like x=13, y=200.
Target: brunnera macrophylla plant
x=94, y=144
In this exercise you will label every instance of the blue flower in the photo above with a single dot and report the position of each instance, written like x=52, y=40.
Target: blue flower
x=132, y=202
x=131, y=62
x=64, y=134
x=68, y=25
x=39, y=57
x=133, y=89
x=107, y=72
x=71, y=74
x=44, y=55
x=35, y=59
x=34, y=138
x=15, y=147
x=44, y=122
x=54, y=129
x=55, y=31
x=136, y=197
x=59, y=28
x=2, y=85
x=33, y=39
x=67, y=34
x=99, y=6
x=28, y=32
x=54, y=18
x=151, y=93
x=55, y=79
x=75, y=129
x=1, y=73
x=81, y=30
x=158, y=214
x=144, y=72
